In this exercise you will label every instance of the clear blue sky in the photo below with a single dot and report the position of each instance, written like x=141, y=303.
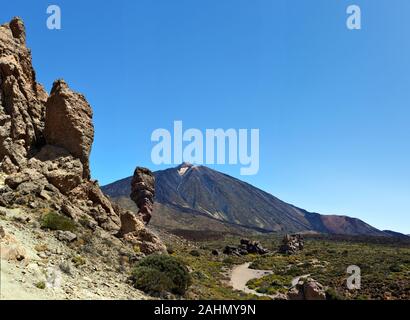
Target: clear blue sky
x=332, y=105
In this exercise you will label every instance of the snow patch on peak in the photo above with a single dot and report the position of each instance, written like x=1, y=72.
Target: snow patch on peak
x=183, y=168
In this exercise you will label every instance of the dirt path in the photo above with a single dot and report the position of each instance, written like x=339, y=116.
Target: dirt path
x=242, y=274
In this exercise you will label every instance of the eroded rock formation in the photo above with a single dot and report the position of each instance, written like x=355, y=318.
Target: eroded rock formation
x=143, y=192
x=45, y=143
x=291, y=244
x=246, y=247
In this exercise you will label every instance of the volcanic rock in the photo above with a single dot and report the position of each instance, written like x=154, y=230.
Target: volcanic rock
x=291, y=244
x=307, y=289
x=45, y=143
x=246, y=247
x=68, y=123
x=66, y=236
x=143, y=192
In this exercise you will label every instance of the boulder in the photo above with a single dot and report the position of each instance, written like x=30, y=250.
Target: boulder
x=307, y=289
x=130, y=223
x=66, y=236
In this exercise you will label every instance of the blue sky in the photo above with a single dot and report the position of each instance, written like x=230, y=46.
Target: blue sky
x=332, y=105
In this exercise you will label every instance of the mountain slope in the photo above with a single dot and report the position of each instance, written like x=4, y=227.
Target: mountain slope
x=199, y=192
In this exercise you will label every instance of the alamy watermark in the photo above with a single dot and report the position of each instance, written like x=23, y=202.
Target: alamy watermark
x=54, y=19
x=354, y=20
x=353, y=282
x=215, y=146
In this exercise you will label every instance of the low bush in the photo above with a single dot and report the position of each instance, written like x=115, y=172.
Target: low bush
x=55, y=221
x=194, y=253
x=157, y=274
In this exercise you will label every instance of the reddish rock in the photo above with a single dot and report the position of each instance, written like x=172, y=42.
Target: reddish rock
x=143, y=192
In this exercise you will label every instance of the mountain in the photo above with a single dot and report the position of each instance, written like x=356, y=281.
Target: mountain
x=396, y=234
x=199, y=198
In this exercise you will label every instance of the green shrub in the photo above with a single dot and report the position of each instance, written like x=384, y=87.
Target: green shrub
x=332, y=294
x=228, y=261
x=55, y=221
x=151, y=280
x=194, y=253
x=395, y=268
x=156, y=274
x=78, y=261
x=41, y=285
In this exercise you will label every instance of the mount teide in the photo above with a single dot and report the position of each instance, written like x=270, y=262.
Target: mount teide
x=199, y=198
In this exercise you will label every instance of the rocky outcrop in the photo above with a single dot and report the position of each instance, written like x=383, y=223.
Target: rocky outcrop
x=133, y=231
x=68, y=123
x=307, y=289
x=22, y=99
x=143, y=192
x=246, y=247
x=291, y=244
x=45, y=143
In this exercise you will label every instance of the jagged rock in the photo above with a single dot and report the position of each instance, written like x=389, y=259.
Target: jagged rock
x=28, y=181
x=7, y=166
x=45, y=143
x=70, y=210
x=2, y=232
x=307, y=289
x=66, y=236
x=44, y=195
x=130, y=223
x=291, y=244
x=18, y=30
x=68, y=123
x=246, y=247
x=143, y=192
x=22, y=98
x=101, y=208
x=146, y=240
x=134, y=231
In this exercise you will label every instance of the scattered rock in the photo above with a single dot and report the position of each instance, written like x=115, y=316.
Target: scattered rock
x=2, y=232
x=12, y=252
x=66, y=236
x=66, y=267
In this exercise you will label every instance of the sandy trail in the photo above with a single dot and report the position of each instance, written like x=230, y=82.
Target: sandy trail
x=242, y=274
